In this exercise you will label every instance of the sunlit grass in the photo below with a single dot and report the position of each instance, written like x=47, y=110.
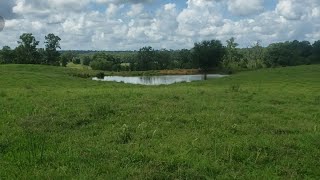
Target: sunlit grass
x=253, y=125
x=78, y=66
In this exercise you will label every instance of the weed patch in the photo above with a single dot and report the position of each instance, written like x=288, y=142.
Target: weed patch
x=125, y=135
x=102, y=111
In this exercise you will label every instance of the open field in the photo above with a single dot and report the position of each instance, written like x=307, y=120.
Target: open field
x=252, y=125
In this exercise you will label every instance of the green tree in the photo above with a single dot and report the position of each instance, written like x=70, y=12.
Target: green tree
x=66, y=57
x=100, y=55
x=52, y=44
x=231, y=60
x=116, y=64
x=208, y=55
x=76, y=60
x=86, y=60
x=102, y=61
x=145, y=59
x=162, y=59
x=101, y=64
x=316, y=52
x=279, y=54
x=254, y=56
x=301, y=52
x=185, y=59
x=63, y=61
x=7, y=55
x=26, y=52
x=42, y=56
x=288, y=53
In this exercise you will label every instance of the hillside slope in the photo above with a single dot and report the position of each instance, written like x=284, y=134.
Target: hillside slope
x=259, y=124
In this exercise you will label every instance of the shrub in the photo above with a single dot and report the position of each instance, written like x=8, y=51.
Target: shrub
x=86, y=60
x=63, y=61
x=101, y=64
x=76, y=60
x=100, y=75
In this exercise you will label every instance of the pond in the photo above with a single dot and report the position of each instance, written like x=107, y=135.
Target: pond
x=158, y=80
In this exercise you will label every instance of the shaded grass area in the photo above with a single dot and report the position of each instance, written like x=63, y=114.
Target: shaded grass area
x=262, y=124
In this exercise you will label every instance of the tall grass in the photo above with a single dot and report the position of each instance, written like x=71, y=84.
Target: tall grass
x=252, y=125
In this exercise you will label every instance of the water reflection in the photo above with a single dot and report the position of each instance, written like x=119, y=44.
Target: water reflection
x=158, y=80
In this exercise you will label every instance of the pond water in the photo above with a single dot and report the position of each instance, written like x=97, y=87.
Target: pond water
x=158, y=80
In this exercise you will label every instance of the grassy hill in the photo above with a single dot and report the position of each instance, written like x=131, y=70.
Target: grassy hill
x=254, y=125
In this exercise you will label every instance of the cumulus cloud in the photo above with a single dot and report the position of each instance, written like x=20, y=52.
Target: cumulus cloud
x=48, y=6
x=6, y=9
x=123, y=1
x=131, y=24
x=245, y=7
x=199, y=18
x=135, y=10
x=290, y=9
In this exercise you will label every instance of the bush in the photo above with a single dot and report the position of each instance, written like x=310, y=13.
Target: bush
x=76, y=60
x=116, y=67
x=82, y=75
x=63, y=61
x=100, y=75
x=86, y=60
x=101, y=64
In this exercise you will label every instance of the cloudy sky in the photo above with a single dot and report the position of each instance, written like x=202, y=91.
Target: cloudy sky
x=131, y=24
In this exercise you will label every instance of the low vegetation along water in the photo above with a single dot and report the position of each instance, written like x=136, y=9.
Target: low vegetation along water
x=252, y=125
x=158, y=80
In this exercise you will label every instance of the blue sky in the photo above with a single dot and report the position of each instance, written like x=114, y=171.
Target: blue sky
x=132, y=24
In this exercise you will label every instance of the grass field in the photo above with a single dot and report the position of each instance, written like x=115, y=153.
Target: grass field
x=78, y=66
x=253, y=125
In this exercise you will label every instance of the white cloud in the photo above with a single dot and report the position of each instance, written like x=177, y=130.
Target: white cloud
x=125, y=24
x=112, y=10
x=245, y=7
x=135, y=10
x=45, y=7
x=290, y=9
x=6, y=9
x=123, y=1
x=198, y=18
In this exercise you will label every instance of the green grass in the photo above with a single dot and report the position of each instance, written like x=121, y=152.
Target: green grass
x=78, y=66
x=253, y=125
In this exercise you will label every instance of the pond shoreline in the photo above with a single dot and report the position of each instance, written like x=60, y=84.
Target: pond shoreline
x=88, y=73
x=157, y=80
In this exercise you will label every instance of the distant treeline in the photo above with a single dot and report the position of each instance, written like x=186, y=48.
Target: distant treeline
x=206, y=55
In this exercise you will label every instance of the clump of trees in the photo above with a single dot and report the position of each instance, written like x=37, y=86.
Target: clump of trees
x=289, y=53
x=52, y=56
x=205, y=55
x=102, y=61
x=208, y=54
x=211, y=56
x=27, y=52
x=66, y=57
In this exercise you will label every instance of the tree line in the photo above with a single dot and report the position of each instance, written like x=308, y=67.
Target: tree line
x=205, y=55
x=27, y=52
